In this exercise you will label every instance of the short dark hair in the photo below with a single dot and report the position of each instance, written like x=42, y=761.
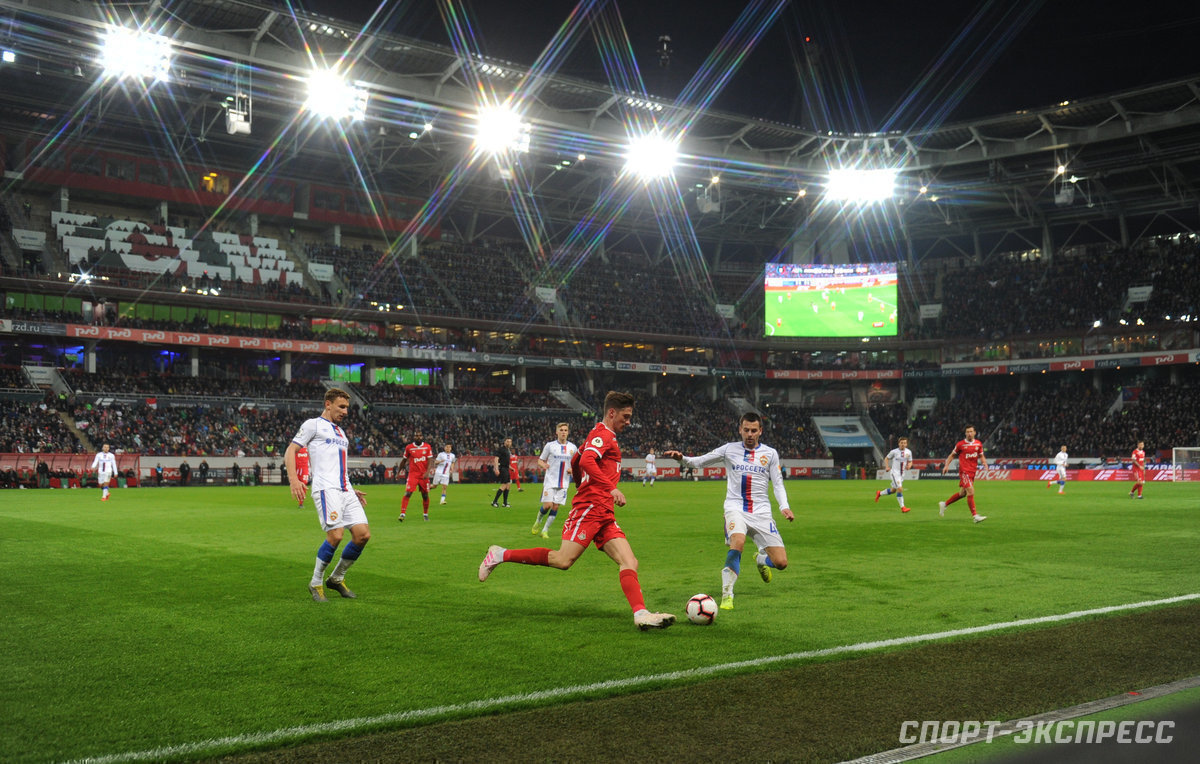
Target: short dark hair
x=618, y=400
x=749, y=416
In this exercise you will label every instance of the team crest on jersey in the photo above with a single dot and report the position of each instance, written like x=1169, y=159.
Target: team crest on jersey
x=763, y=460
x=597, y=441
x=333, y=516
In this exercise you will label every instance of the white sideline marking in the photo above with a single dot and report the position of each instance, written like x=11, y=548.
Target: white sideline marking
x=348, y=725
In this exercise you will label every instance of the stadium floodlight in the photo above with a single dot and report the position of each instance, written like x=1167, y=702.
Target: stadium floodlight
x=331, y=97
x=501, y=129
x=851, y=185
x=134, y=53
x=8, y=56
x=651, y=156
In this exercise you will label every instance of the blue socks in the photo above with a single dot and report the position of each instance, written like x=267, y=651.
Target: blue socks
x=325, y=553
x=351, y=552
x=733, y=561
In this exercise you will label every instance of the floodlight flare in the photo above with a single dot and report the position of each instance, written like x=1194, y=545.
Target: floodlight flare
x=331, y=97
x=651, y=156
x=132, y=53
x=853, y=185
x=500, y=129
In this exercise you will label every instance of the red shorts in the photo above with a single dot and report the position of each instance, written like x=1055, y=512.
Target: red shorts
x=417, y=483
x=1139, y=476
x=590, y=524
x=965, y=481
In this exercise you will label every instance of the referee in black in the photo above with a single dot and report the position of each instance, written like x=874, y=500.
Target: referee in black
x=503, y=455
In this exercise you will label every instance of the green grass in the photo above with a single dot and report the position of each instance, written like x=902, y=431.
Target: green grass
x=171, y=616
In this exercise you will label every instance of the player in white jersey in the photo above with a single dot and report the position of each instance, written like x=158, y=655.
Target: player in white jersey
x=339, y=504
x=749, y=467
x=896, y=462
x=651, y=469
x=555, y=462
x=105, y=464
x=1060, y=466
x=443, y=466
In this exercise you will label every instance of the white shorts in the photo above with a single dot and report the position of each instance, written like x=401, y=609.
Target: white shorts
x=1062, y=473
x=759, y=527
x=651, y=472
x=897, y=480
x=552, y=495
x=103, y=477
x=440, y=479
x=338, y=509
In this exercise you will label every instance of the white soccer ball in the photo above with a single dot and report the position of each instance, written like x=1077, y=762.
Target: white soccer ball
x=701, y=609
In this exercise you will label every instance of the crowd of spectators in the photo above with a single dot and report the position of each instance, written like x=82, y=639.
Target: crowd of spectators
x=385, y=393
x=985, y=406
x=13, y=378
x=28, y=428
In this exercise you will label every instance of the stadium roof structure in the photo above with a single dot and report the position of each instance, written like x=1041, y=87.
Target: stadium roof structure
x=1109, y=168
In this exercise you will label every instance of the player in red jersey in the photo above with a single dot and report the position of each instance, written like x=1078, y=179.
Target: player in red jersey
x=597, y=469
x=1139, y=468
x=302, y=468
x=514, y=470
x=416, y=455
x=970, y=457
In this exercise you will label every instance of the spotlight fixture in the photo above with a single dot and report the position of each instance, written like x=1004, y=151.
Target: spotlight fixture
x=8, y=56
x=133, y=53
x=331, y=97
x=651, y=156
x=501, y=129
x=853, y=185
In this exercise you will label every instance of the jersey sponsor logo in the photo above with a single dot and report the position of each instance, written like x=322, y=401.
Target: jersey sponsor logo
x=597, y=441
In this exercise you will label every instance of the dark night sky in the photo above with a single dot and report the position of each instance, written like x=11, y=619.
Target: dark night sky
x=880, y=65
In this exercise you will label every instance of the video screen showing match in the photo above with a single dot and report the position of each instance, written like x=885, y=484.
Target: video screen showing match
x=851, y=300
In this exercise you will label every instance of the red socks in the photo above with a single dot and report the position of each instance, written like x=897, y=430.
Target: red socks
x=632, y=589
x=971, y=503
x=953, y=499
x=538, y=556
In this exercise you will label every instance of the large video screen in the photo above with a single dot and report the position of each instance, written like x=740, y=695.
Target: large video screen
x=852, y=300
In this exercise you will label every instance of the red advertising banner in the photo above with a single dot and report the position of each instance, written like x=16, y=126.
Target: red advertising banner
x=199, y=339
x=835, y=374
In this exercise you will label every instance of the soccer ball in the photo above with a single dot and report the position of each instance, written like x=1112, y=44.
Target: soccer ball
x=701, y=609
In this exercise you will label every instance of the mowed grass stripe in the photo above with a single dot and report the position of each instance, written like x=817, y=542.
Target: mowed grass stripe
x=565, y=693
x=820, y=712
x=176, y=615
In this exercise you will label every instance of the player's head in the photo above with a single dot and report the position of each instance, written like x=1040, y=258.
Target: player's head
x=449, y=446
x=1141, y=444
x=104, y=448
x=508, y=442
x=902, y=442
x=417, y=436
x=750, y=429
x=970, y=432
x=562, y=430
x=337, y=404
x=1063, y=449
x=618, y=410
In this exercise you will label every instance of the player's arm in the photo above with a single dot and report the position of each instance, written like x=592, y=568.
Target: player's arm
x=982, y=459
x=781, y=496
x=289, y=459
x=950, y=458
x=712, y=457
x=887, y=464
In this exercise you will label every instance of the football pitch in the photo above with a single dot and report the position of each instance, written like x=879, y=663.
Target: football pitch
x=176, y=623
